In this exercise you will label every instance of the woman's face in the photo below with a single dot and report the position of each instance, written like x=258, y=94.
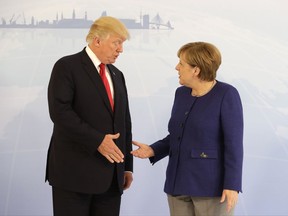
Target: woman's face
x=186, y=72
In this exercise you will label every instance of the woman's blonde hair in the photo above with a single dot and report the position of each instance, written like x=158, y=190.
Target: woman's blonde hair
x=204, y=55
x=106, y=25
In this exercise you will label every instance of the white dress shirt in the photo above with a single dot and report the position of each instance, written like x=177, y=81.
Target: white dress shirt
x=96, y=63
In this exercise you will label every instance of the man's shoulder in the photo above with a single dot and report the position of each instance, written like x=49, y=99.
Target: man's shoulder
x=72, y=57
x=69, y=62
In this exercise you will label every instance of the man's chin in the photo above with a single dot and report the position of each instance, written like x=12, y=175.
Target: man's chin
x=112, y=61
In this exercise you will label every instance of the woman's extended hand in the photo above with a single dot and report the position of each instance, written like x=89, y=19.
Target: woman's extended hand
x=143, y=151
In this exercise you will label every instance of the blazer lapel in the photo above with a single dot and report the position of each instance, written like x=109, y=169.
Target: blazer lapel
x=115, y=82
x=96, y=79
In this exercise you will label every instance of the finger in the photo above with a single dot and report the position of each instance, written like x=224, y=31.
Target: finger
x=136, y=153
x=222, y=198
x=118, y=154
x=115, y=136
x=136, y=143
x=116, y=158
x=229, y=207
x=109, y=158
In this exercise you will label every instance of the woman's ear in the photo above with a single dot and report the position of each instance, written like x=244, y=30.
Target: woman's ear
x=197, y=71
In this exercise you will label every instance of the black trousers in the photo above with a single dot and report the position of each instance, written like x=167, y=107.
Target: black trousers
x=68, y=203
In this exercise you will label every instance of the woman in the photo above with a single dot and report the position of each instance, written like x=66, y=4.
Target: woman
x=205, y=140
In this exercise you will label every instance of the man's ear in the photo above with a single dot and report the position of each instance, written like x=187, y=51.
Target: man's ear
x=96, y=41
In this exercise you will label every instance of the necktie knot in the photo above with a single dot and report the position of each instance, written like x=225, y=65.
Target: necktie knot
x=102, y=69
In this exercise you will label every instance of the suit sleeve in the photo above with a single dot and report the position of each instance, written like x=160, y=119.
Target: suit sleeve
x=61, y=91
x=232, y=125
x=161, y=149
x=128, y=129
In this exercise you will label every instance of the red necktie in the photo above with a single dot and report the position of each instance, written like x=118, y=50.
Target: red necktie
x=106, y=84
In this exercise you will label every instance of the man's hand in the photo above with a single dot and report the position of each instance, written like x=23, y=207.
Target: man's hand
x=110, y=150
x=128, y=178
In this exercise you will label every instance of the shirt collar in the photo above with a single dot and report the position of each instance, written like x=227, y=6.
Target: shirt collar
x=93, y=57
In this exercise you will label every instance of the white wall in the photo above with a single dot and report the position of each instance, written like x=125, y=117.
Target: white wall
x=252, y=35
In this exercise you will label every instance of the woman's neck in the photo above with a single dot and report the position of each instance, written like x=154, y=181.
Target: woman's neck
x=203, y=88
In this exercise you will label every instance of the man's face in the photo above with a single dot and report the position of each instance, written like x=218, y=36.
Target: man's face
x=109, y=49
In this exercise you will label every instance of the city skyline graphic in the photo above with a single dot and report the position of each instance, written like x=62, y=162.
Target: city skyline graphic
x=74, y=22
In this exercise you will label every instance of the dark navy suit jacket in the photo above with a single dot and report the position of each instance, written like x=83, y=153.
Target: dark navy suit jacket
x=205, y=143
x=80, y=110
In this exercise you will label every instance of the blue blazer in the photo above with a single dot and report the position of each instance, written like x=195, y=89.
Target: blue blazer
x=80, y=110
x=205, y=143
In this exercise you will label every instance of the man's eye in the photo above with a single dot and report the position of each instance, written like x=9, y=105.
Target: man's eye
x=117, y=43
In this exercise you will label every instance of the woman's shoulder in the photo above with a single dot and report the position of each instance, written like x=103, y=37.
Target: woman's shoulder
x=183, y=89
x=225, y=86
x=226, y=89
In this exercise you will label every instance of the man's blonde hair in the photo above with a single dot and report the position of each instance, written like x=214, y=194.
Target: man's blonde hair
x=105, y=26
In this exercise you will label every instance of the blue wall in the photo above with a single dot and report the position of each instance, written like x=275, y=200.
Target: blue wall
x=252, y=36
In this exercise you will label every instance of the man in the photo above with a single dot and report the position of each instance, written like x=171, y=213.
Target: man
x=89, y=162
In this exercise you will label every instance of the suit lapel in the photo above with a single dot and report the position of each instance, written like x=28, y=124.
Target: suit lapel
x=115, y=81
x=96, y=79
